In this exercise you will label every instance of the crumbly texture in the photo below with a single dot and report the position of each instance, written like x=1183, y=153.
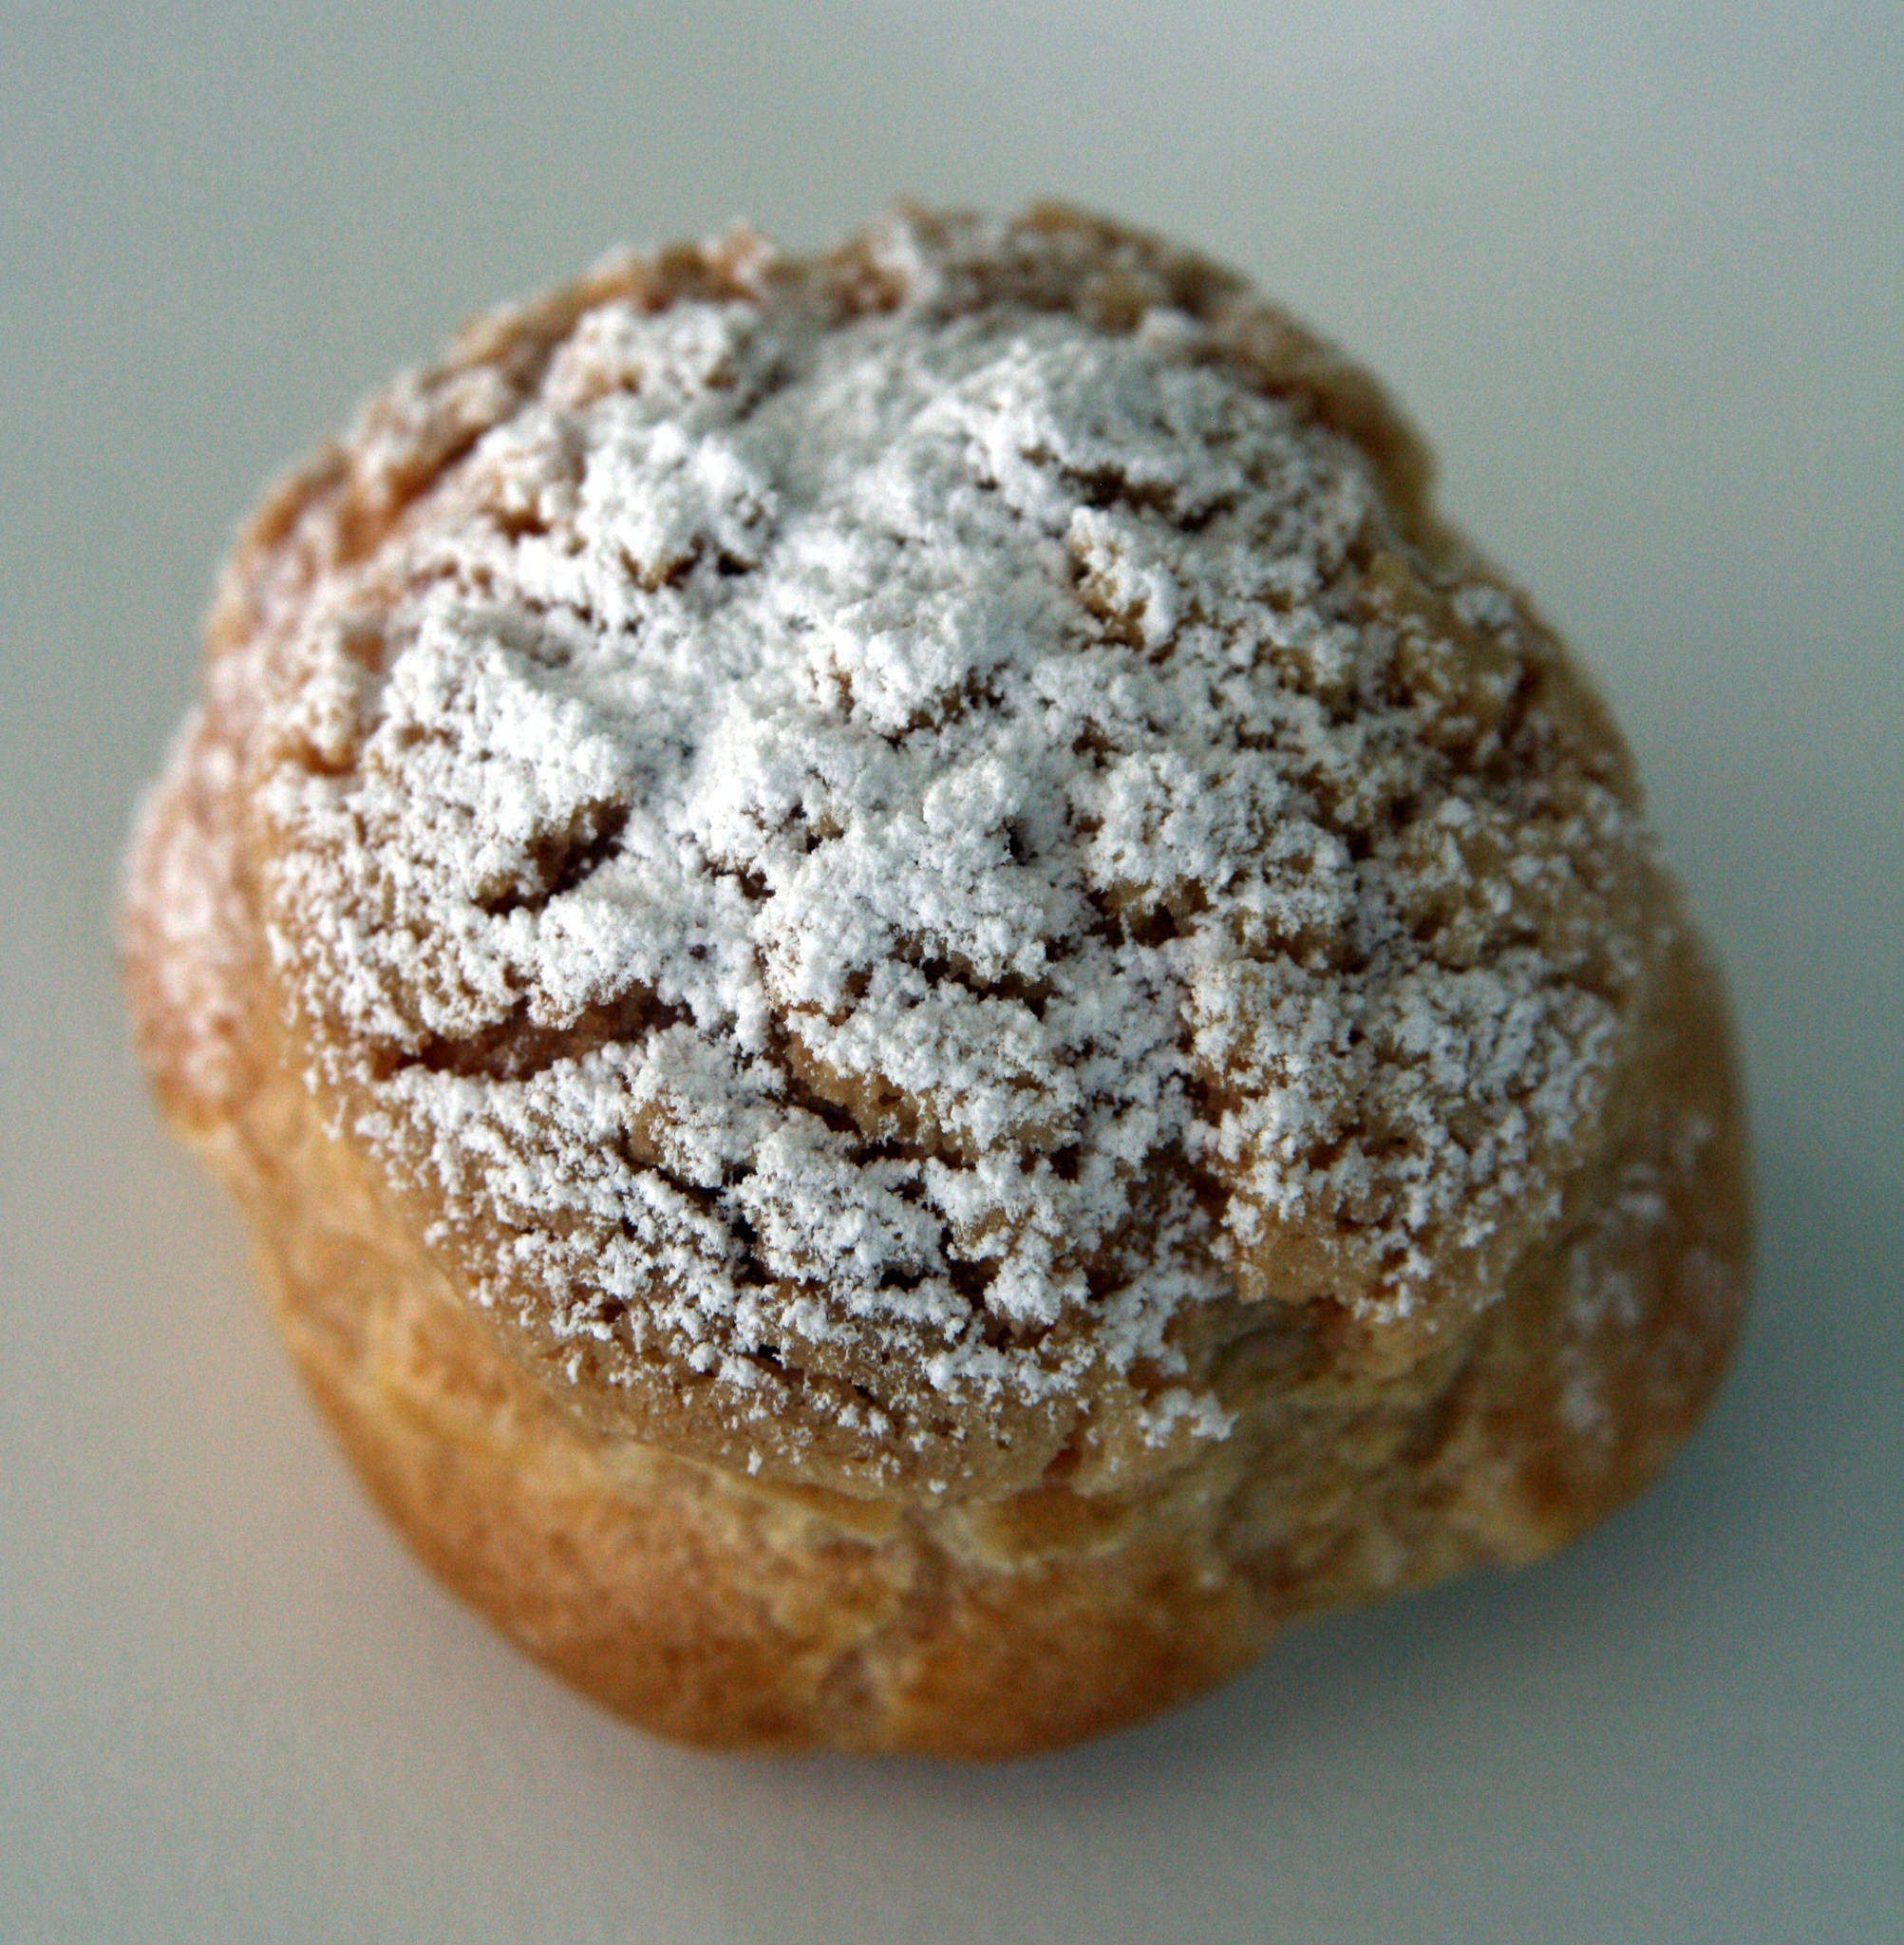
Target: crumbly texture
x=895, y=940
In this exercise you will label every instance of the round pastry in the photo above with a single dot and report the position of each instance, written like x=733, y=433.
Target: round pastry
x=925, y=1007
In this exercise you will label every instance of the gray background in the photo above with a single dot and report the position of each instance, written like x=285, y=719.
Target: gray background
x=1639, y=274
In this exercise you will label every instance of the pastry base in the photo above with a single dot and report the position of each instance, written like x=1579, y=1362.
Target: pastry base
x=726, y=1611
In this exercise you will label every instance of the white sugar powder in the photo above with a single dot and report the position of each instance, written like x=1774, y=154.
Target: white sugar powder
x=925, y=832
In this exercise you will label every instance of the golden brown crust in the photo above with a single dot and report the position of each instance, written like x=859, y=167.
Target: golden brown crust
x=1018, y=1572
x=721, y=1612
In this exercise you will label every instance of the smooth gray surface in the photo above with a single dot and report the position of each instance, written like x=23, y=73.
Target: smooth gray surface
x=1640, y=273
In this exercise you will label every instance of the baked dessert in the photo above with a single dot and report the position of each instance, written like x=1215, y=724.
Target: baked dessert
x=925, y=1009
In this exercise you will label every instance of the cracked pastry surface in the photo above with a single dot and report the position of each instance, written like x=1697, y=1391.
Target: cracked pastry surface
x=921, y=878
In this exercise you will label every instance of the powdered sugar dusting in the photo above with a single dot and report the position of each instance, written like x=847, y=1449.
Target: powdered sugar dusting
x=897, y=857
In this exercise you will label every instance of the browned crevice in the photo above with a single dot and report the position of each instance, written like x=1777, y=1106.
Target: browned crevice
x=797, y=1090
x=995, y=1330
x=880, y=1122
x=956, y=970
x=515, y=1048
x=520, y=522
x=976, y=690
x=1119, y=625
x=560, y=860
x=1155, y=926
x=676, y=571
x=1134, y=917
x=747, y=1267
x=973, y=1280
x=998, y=1332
